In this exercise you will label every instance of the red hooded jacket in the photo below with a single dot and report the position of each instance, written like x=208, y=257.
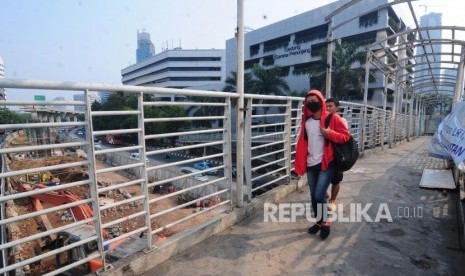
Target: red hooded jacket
x=338, y=134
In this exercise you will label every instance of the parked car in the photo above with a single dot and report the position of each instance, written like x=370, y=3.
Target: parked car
x=136, y=156
x=200, y=177
x=204, y=166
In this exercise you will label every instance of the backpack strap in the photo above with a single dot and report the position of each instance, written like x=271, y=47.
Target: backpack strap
x=327, y=121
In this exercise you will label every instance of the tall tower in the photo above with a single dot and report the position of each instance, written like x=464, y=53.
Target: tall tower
x=145, y=48
x=429, y=20
x=2, y=74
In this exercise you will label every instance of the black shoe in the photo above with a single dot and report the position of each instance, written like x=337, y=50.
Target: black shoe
x=314, y=229
x=324, y=233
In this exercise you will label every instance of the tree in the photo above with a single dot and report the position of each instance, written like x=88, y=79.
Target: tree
x=347, y=76
x=199, y=111
x=231, y=82
x=164, y=127
x=268, y=82
x=129, y=101
x=11, y=117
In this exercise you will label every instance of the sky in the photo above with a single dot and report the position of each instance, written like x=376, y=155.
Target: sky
x=91, y=41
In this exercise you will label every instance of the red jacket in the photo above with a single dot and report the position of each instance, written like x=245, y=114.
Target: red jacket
x=338, y=134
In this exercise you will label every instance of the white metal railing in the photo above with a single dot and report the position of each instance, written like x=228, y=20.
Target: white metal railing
x=125, y=210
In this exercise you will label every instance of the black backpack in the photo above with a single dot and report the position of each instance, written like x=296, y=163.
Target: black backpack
x=346, y=154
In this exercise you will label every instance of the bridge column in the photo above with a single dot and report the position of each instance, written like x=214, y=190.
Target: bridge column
x=43, y=117
x=383, y=123
x=393, y=128
x=411, y=120
x=458, y=95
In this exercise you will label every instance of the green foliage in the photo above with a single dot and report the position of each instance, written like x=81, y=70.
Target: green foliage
x=268, y=81
x=122, y=101
x=261, y=81
x=232, y=80
x=347, y=82
x=11, y=117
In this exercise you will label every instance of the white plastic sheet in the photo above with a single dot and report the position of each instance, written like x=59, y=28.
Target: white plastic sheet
x=449, y=140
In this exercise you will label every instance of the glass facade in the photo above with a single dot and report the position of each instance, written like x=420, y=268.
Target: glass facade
x=145, y=48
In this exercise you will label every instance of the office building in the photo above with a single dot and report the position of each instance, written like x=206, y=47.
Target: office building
x=80, y=97
x=178, y=68
x=59, y=99
x=294, y=44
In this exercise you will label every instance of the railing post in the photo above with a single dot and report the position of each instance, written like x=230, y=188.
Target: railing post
x=287, y=144
x=393, y=128
x=227, y=146
x=383, y=124
x=143, y=175
x=458, y=95
x=411, y=120
x=93, y=177
x=367, y=77
x=240, y=103
x=247, y=148
x=364, y=129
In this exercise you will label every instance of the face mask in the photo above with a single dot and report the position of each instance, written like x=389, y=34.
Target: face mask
x=314, y=106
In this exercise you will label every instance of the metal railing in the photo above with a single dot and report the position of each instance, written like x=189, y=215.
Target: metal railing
x=157, y=189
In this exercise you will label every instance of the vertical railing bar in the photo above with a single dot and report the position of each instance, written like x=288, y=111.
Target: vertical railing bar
x=227, y=147
x=287, y=144
x=144, y=176
x=93, y=176
x=248, y=148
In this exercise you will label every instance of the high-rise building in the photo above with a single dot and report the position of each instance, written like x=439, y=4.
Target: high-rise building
x=2, y=74
x=145, y=48
x=104, y=96
x=422, y=71
x=59, y=99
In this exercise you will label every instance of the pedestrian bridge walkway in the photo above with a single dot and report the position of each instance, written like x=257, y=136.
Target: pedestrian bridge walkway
x=422, y=239
x=145, y=212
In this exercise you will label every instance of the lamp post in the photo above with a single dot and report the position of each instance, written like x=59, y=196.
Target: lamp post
x=240, y=104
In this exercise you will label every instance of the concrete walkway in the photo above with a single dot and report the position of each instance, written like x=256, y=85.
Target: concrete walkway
x=422, y=238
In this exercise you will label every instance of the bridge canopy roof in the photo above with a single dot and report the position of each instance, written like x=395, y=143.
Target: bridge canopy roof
x=424, y=63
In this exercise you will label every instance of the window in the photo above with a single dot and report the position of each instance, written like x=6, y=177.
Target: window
x=317, y=48
x=254, y=49
x=368, y=20
x=250, y=63
x=361, y=39
x=318, y=32
x=268, y=60
x=302, y=68
x=280, y=42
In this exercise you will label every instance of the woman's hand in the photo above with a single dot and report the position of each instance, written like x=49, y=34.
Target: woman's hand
x=324, y=131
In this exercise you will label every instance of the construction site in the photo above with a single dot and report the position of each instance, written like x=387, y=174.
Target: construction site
x=125, y=218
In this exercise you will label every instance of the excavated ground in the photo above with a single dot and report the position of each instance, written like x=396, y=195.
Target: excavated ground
x=60, y=218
